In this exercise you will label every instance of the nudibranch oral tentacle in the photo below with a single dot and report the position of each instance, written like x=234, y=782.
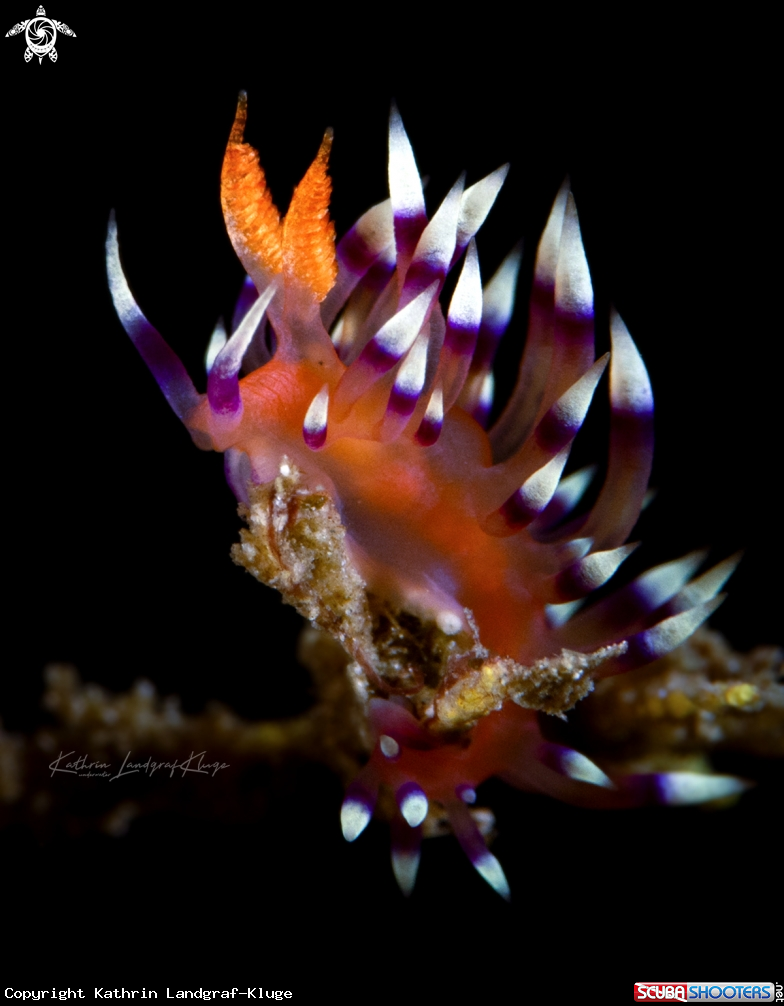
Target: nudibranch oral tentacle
x=446, y=560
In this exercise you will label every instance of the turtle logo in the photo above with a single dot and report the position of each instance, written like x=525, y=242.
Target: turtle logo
x=40, y=32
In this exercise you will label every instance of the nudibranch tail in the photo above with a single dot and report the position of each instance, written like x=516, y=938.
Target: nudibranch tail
x=452, y=563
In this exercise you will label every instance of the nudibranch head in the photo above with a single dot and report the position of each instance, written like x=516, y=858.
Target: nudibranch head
x=449, y=559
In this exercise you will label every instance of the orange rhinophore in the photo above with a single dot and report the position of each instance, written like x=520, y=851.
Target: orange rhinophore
x=302, y=246
x=252, y=219
x=308, y=233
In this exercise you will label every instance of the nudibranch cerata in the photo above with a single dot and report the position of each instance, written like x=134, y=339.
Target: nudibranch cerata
x=450, y=560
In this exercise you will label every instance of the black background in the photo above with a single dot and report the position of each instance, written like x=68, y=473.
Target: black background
x=118, y=530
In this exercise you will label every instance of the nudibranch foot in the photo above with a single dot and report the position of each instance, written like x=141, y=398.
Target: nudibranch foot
x=449, y=561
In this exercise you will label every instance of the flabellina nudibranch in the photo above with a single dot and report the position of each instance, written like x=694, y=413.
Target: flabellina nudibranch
x=445, y=557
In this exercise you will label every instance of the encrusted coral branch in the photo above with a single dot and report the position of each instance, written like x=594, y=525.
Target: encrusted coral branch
x=704, y=697
x=551, y=685
x=701, y=696
x=103, y=729
x=295, y=542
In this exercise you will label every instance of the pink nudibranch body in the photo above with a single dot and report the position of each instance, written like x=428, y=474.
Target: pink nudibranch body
x=362, y=390
x=412, y=524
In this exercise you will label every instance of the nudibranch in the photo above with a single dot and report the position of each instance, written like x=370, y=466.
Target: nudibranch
x=450, y=560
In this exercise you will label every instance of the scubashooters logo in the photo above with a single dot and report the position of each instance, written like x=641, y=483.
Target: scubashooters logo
x=687, y=992
x=41, y=34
